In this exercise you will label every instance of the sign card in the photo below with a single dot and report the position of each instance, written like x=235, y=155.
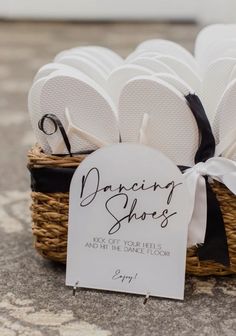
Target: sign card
x=128, y=223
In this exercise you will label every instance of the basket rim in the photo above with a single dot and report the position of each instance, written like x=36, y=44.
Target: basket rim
x=37, y=158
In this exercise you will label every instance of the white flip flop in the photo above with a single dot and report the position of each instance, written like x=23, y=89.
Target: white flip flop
x=34, y=98
x=152, y=64
x=215, y=81
x=47, y=69
x=170, y=48
x=109, y=57
x=154, y=111
x=84, y=109
x=85, y=54
x=229, y=52
x=87, y=67
x=225, y=123
x=183, y=70
x=176, y=82
x=211, y=34
x=141, y=53
x=215, y=51
x=120, y=76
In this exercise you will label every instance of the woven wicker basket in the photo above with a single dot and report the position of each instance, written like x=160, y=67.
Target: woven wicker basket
x=50, y=219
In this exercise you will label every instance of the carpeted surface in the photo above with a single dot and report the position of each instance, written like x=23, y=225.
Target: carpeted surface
x=33, y=298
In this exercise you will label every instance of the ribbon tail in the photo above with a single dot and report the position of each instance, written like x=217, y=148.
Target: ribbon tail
x=215, y=246
x=197, y=226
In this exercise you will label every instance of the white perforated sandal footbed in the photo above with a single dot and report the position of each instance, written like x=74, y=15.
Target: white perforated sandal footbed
x=47, y=69
x=214, y=51
x=225, y=120
x=107, y=55
x=86, y=66
x=120, y=76
x=141, y=53
x=166, y=47
x=215, y=81
x=229, y=52
x=211, y=34
x=89, y=106
x=85, y=54
x=171, y=128
x=184, y=71
x=152, y=64
x=34, y=98
x=176, y=82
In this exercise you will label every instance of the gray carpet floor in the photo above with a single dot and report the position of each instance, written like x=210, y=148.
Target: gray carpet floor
x=33, y=298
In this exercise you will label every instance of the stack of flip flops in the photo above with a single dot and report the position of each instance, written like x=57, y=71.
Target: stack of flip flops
x=99, y=97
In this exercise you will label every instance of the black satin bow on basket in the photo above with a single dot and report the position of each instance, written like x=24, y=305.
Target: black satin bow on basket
x=215, y=247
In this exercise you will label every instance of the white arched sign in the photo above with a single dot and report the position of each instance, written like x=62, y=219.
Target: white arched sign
x=128, y=223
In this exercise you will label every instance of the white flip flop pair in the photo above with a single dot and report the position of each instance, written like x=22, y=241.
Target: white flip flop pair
x=88, y=66
x=86, y=112
x=157, y=113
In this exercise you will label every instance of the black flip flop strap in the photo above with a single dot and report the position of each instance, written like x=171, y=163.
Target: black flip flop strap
x=57, y=125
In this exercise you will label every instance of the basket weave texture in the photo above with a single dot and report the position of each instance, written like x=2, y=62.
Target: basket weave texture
x=50, y=219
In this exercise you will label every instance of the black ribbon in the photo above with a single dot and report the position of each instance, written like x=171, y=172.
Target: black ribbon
x=206, y=148
x=215, y=246
x=51, y=180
